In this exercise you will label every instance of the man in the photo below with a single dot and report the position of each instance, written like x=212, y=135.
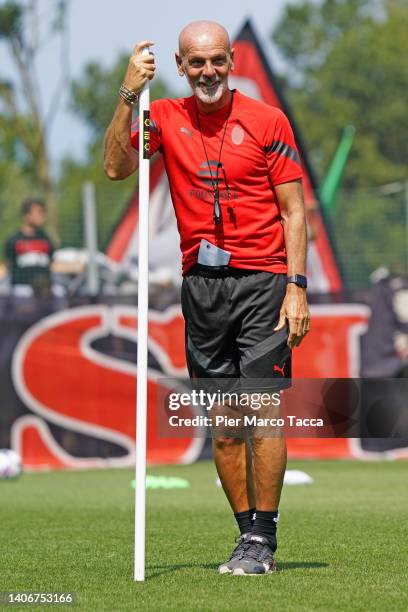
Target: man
x=29, y=251
x=235, y=181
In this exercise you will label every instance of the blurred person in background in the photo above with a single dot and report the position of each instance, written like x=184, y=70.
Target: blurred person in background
x=30, y=255
x=29, y=252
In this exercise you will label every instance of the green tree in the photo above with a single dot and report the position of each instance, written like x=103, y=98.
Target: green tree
x=345, y=66
x=16, y=177
x=24, y=144
x=344, y=59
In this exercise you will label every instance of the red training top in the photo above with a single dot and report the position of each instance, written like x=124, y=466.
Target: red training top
x=259, y=151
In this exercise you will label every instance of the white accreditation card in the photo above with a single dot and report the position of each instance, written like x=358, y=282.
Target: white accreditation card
x=211, y=255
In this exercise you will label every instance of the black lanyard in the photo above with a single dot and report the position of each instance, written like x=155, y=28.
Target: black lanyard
x=217, y=216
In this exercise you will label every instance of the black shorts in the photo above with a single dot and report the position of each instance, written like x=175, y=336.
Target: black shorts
x=230, y=316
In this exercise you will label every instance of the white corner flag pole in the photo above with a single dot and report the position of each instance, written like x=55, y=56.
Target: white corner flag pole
x=142, y=331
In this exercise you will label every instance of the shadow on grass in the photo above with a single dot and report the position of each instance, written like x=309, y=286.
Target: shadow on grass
x=174, y=567
x=159, y=570
x=292, y=565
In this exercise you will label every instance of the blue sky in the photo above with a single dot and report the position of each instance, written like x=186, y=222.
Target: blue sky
x=101, y=29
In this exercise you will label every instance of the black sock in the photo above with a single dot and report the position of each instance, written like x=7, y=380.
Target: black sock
x=265, y=525
x=244, y=520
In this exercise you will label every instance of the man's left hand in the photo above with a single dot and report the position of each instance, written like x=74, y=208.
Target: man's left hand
x=296, y=311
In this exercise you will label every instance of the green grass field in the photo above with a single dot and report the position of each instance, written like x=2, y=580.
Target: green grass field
x=342, y=541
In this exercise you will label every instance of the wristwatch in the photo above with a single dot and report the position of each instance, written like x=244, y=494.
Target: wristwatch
x=298, y=279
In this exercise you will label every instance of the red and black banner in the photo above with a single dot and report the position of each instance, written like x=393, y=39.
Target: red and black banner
x=68, y=385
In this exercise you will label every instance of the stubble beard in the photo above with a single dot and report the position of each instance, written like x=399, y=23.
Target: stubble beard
x=209, y=93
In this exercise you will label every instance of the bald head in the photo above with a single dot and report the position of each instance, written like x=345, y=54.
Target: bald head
x=205, y=57
x=203, y=33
